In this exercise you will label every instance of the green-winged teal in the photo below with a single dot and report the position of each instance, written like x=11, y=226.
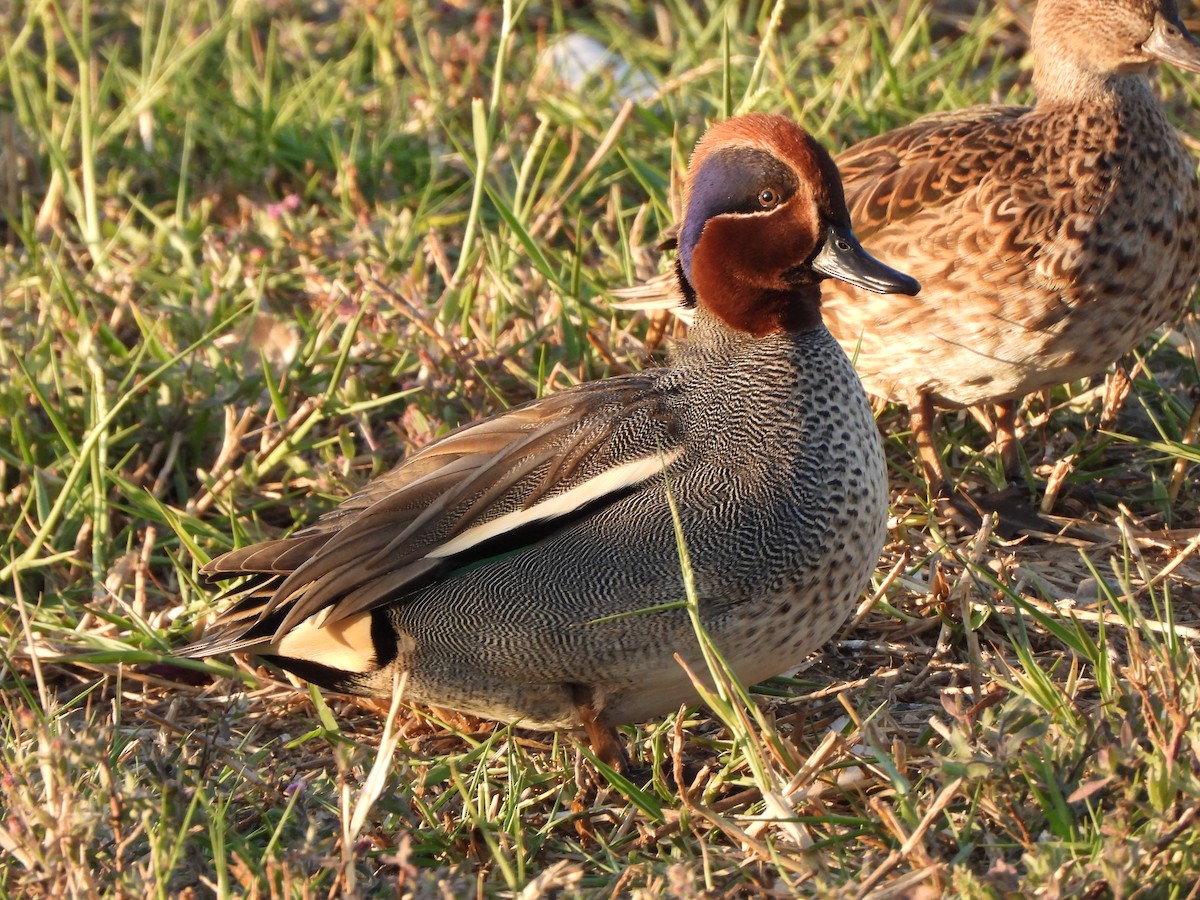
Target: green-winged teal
x=525, y=567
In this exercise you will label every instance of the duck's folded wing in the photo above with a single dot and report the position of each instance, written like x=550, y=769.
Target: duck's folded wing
x=482, y=491
x=924, y=165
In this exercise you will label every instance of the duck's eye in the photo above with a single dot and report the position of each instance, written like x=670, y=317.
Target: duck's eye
x=768, y=198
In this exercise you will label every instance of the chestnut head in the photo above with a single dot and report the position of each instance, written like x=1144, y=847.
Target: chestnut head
x=765, y=221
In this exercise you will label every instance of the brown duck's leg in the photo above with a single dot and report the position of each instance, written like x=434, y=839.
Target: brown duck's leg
x=920, y=419
x=1005, y=428
x=604, y=740
x=957, y=506
x=1117, y=385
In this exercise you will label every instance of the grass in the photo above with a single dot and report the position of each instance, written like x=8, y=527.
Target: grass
x=253, y=254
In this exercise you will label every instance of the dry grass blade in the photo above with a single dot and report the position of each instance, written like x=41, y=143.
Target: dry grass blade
x=912, y=842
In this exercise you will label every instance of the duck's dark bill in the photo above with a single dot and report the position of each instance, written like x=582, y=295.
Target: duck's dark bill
x=1171, y=42
x=843, y=258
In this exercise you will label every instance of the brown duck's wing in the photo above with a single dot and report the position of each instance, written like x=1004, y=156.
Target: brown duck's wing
x=927, y=164
x=485, y=490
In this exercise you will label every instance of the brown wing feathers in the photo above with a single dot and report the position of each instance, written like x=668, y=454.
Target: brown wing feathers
x=919, y=167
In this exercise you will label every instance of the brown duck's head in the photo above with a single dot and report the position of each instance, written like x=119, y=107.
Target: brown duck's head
x=1109, y=37
x=765, y=220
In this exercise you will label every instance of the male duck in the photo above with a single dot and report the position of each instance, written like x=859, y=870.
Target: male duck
x=525, y=567
x=1050, y=240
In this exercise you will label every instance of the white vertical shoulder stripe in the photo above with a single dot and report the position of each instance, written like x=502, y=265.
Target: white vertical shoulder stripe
x=615, y=479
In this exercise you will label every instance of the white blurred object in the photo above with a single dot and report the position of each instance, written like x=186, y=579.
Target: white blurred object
x=580, y=61
x=652, y=295
x=266, y=337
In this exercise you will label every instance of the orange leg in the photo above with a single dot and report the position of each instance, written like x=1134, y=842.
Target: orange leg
x=604, y=740
x=1005, y=430
x=921, y=419
x=957, y=506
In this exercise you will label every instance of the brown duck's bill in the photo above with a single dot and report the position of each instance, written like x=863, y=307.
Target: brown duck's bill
x=843, y=257
x=1172, y=43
